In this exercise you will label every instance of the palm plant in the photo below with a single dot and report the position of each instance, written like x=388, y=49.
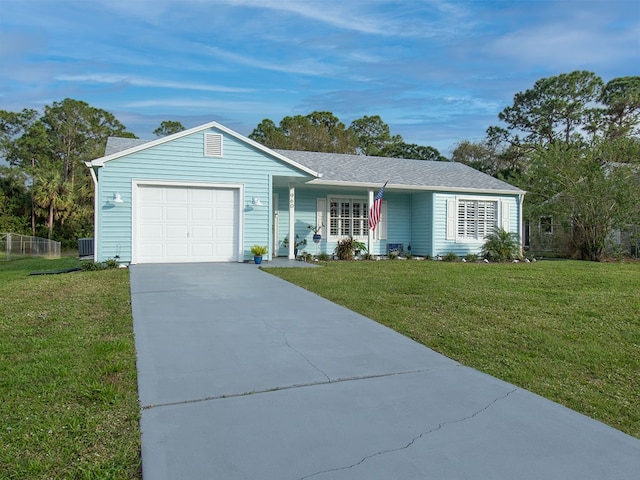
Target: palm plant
x=501, y=245
x=346, y=247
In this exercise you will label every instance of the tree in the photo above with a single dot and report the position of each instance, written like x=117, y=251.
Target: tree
x=621, y=97
x=316, y=132
x=14, y=201
x=587, y=189
x=372, y=135
x=555, y=109
x=53, y=147
x=168, y=127
x=78, y=132
x=412, y=151
x=54, y=195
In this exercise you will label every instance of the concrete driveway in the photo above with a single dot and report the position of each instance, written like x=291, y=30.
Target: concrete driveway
x=244, y=376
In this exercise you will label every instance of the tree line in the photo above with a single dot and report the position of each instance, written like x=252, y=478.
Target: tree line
x=571, y=141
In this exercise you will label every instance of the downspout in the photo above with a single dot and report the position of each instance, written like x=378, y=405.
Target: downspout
x=94, y=176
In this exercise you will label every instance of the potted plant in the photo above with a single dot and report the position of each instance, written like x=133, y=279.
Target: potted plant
x=298, y=243
x=316, y=232
x=258, y=251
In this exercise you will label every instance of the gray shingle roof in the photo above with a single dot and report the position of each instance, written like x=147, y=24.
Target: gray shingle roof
x=421, y=174
x=346, y=169
x=117, y=144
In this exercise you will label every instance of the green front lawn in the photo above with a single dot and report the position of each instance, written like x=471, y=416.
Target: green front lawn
x=569, y=331
x=68, y=394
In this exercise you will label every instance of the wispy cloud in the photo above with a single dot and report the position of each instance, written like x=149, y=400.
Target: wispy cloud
x=145, y=82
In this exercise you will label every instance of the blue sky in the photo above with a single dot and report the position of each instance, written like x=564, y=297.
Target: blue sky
x=437, y=72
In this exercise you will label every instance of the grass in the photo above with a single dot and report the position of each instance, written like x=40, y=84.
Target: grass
x=68, y=398
x=569, y=331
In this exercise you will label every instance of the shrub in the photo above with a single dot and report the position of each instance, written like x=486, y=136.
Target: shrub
x=91, y=266
x=324, y=257
x=501, y=246
x=450, y=257
x=392, y=255
x=471, y=257
x=345, y=248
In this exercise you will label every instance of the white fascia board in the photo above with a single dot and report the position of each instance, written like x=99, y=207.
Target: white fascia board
x=421, y=188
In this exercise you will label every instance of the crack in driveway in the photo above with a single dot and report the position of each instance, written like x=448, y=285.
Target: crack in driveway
x=286, y=387
x=413, y=440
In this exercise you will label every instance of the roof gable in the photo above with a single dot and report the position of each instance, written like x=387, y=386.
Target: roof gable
x=120, y=147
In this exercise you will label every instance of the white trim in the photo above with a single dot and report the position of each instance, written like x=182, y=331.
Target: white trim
x=413, y=188
x=135, y=183
x=321, y=215
x=275, y=225
x=358, y=198
x=381, y=228
x=292, y=222
x=505, y=218
x=96, y=197
x=459, y=198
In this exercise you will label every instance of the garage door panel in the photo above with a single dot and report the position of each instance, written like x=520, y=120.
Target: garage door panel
x=176, y=232
x=202, y=232
x=202, y=196
x=151, y=213
x=187, y=224
x=202, y=214
x=150, y=232
x=176, y=250
x=176, y=195
x=149, y=194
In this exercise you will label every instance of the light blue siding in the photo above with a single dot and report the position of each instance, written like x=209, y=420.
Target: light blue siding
x=422, y=224
x=183, y=160
x=442, y=246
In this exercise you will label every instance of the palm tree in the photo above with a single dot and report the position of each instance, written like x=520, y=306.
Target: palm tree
x=501, y=245
x=53, y=195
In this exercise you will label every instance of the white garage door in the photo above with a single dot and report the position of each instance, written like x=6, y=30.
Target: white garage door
x=186, y=224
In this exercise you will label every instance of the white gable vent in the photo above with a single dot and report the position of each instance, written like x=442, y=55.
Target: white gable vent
x=212, y=145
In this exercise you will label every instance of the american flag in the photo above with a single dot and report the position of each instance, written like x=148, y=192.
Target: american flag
x=374, y=211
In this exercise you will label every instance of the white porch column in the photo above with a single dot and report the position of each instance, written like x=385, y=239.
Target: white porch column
x=292, y=221
x=370, y=232
x=521, y=225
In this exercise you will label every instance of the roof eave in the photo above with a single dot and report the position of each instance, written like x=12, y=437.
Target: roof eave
x=424, y=188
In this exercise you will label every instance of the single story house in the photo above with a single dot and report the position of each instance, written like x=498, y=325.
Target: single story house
x=208, y=194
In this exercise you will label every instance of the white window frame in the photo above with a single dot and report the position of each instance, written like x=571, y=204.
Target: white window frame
x=364, y=218
x=454, y=220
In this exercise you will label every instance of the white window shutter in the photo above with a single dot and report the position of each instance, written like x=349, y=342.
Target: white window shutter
x=451, y=220
x=506, y=219
x=381, y=228
x=321, y=212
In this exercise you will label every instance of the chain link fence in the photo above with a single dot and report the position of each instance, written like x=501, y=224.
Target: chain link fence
x=16, y=245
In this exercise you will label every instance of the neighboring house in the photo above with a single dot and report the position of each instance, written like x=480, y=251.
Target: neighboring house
x=208, y=194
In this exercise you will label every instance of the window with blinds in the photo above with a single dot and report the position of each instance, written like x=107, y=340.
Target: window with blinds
x=476, y=219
